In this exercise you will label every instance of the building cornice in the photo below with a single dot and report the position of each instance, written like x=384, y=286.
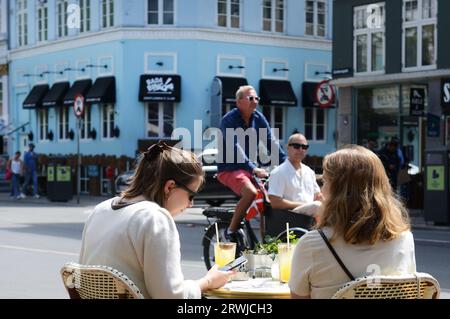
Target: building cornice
x=359, y=81
x=121, y=34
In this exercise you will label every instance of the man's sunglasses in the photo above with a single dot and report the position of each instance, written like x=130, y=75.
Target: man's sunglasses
x=297, y=146
x=192, y=194
x=252, y=98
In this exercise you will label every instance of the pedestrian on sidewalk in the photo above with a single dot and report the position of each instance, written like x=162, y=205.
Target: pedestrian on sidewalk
x=15, y=165
x=136, y=232
x=31, y=163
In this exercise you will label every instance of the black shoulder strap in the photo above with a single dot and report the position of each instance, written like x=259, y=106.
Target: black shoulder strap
x=349, y=274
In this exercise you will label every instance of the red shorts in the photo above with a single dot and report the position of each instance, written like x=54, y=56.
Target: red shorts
x=235, y=179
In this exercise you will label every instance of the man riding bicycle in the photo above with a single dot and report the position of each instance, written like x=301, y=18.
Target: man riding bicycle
x=239, y=154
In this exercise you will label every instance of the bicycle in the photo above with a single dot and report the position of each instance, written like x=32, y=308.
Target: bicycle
x=273, y=224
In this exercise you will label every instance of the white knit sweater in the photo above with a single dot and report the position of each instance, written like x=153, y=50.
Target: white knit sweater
x=142, y=241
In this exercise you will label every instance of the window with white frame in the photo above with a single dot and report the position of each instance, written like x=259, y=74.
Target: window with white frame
x=160, y=119
x=419, y=33
x=84, y=180
x=315, y=17
x=105, y=182
x=315, y=124
x=107, y=13
x=369, y=38
x=63, y=123
x=228, y=13
x=160, y=12
x=86, y=123
x=85, y=15
x=42, y=21
x=275, y=117
x=61, y=12
x=1, y=98
x=273, y=15
x=22, y=24
x=108, y=119
x=43, y=124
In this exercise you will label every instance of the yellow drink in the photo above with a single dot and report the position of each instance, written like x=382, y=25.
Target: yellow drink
x=285, y=261
x=224, y=253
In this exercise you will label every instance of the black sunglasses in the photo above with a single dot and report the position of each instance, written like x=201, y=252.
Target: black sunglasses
x=297, y=146
x=192, y=194
x=252, y=98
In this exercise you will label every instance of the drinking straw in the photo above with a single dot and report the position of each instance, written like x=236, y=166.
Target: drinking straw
x=217, y=234
x=287, y=232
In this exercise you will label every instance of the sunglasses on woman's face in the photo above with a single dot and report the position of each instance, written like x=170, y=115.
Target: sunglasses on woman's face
x=252, y=98
x=297, y=146
x=191, y=193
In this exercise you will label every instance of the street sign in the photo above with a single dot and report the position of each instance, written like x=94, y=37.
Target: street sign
x=416, y=101
x=78, y=105
x=324, y=94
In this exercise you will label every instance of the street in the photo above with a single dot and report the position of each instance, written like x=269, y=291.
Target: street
x=37, y=237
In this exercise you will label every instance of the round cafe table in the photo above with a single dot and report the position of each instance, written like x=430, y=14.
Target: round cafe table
x=258, y=288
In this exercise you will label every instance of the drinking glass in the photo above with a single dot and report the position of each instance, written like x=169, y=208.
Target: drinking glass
x=224, y=253
x=285, y=260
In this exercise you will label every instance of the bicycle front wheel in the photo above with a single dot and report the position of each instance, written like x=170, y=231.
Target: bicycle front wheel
x=209, y=239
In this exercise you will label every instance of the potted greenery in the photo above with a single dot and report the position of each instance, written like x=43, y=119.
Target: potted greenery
x=262, y=258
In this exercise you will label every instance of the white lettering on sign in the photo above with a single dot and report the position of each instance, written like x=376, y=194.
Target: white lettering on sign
x=446, y=92
x=157, y=85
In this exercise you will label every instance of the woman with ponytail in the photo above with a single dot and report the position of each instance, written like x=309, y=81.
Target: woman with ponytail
x=136, y=233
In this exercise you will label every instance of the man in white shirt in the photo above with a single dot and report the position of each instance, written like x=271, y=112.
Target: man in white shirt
x=292, y=185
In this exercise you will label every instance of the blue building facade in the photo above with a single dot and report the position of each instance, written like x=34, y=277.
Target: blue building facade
x=146, y=67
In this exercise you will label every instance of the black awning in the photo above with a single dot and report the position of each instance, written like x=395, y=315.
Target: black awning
x=56, y=94
x=103, y=91
x=229, y=87
x=308, y=95
x=34, y=98
x=277, y=93
x=78, y=87
x=160, y=88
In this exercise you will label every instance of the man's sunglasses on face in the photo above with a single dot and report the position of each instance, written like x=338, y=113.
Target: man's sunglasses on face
x=252, y=98
x=297, y=146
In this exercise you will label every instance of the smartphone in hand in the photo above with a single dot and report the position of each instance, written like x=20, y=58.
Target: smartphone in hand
x=234, y=264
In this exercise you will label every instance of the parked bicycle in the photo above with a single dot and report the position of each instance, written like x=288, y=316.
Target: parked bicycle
x=273, y=223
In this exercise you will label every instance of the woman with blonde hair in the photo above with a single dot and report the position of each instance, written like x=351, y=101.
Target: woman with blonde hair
x=136, y=233
x=361, y=219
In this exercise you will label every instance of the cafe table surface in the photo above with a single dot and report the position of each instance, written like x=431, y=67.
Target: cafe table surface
x=258, y=288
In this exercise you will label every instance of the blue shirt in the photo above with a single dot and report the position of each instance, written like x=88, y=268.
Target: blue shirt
x=247, y=156
x=30, y=161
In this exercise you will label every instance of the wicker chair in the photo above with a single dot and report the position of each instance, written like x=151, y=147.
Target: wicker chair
x=413, y=286
x=97, y=282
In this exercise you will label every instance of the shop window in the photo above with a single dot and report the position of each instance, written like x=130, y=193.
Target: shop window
x=419, y=34
x=315, y=17
x=160, y=119
x=160, y=12
x=369, y=38
x=84, y=180
x=273, y=15
x=43, y=124
x=228, y=13
x=105, y=182
x=86, y=123
x=275, y=117
x=108, y=120
x=63, y=123
x=315, y=124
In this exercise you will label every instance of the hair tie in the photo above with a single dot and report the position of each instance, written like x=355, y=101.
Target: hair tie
x=154, y=150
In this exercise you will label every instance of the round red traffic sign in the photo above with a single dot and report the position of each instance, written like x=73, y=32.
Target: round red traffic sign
x=78, y=105
x=324, y=94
